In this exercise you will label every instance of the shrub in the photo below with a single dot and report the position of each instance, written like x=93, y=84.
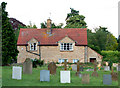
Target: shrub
x=111, y=56
x=37, y=62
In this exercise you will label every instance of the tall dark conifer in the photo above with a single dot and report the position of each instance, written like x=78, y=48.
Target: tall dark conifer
x=9, y=43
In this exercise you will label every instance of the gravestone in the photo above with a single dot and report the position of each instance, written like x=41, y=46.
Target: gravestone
x=27, y=66
x=78, y=69
x=17, y=72
x=44, y=75
x=81, y=68
x=114, y=76
x=90, y=70
x=52, y=67
x=85, y=78
x=106, y=68
x=95, y=74
x=119, y=67
x=65, y=76
x=74, y=67
x=107, y=79
x=65, y=64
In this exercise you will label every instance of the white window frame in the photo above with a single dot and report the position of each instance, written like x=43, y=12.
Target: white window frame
x=33, y=49
x=61, y=60
x=66, y=46
x=75, y=60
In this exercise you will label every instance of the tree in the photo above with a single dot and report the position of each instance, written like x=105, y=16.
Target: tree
x=101, y=37
x=9, y=43
x=34, y=26
x=111, y=42
x=74, y=20
x=118, y=43
x=73, y=13
x=91, y=41
x=44, y=25
x=30, y=25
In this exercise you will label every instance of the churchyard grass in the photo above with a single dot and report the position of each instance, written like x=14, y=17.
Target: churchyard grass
x=0, y=76
x=34, y=78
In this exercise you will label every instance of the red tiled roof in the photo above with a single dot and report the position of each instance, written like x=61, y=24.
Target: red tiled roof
x=79, y=35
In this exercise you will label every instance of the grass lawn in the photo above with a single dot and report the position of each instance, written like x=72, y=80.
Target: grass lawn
x=0, y=76
x=34, y=78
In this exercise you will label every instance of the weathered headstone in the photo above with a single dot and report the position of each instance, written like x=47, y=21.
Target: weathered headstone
x=95, y=74
x=17, y=72
x=81, y=68
x=107, y=79
x=106, y=68
x=74, y=67
x=44, y=75
x=119, y=67
x=65, y=64
x=52, y=67
x=27, y=66
x=90, y=70
x=114, y=76
x=85, y=78
x=78, y=69
x=65, y=76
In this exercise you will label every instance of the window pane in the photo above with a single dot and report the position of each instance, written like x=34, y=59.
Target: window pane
x=67, y=46
x=59, y=61
x=34, y=46
x=61, y=46
x=31, y=46
x=67, y=60
x=62, y=60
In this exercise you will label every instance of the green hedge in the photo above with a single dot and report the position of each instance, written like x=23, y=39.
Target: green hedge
x=112, y=56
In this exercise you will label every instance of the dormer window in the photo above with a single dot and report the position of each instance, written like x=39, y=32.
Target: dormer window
x=66, y=46
x=33, y=46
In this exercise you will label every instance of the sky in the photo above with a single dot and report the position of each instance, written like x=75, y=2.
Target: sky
x=97, y=12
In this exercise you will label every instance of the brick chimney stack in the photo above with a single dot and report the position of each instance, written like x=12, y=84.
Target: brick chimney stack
x=49, y=29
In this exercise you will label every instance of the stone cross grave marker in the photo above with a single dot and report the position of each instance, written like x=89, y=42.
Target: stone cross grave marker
x=107, y=79
x=27, y=66
x=65, y=64
x=85, y=78
x=17, y=72
x=65, y=76
x=44, y=75
x=52, y=67
x=74, y=67
x=95, y=74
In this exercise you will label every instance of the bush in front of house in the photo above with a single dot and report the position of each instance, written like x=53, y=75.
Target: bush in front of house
x=37, y=62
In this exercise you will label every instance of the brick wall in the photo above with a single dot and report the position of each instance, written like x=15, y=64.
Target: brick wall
x=53, y=53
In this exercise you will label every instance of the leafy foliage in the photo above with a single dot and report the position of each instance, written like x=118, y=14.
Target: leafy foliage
x=118, y=43
x=37, y=62
x=73, y=13
x=31, y=25
x=102, y=39
x=44, y=25
x=74, y=20
x=111, y=56
x=111, y=42
x=9, y=43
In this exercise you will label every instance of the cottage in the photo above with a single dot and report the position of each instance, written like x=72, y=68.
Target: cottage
x=55, y=45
